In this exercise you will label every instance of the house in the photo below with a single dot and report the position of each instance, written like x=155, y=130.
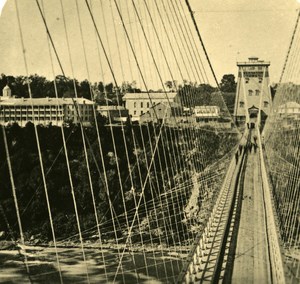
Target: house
x=139, y=103
x=44, y=111
x=289, y=109
x=288, y=114
x=206, y=113
x=169, y=113
x=211, y=116
x=113, y=113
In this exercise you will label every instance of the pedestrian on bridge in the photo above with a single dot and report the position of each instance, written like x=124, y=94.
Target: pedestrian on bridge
x=240, y=148
x=255, y=147
x=255, y=138
x=250, y=147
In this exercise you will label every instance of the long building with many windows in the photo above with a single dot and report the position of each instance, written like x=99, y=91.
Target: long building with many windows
x=45, y=111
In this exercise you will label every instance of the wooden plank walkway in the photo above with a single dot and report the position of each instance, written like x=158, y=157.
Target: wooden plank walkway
x=251, y=259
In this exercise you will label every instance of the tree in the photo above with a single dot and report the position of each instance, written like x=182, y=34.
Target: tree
x=39, y=86
x=109, y=88
x=206, y=88
x=192, y=95
x=169, y=85
x=228, y=83
x=128, y=87
x=85, y=90
x=172, y=86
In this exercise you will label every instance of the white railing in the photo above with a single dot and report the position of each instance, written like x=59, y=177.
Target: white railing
x=277, y=268
x=197, y=254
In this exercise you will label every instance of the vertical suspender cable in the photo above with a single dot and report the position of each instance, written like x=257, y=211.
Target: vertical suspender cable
x=38, y=146
x=13, y=187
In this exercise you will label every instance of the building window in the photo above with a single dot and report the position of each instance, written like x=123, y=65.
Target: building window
x=134, y=104
x=259, y=80
x=142, y=105
x=246, y=80
x=266, y=104
x=250, y=92
x=257, y=92
x=134, y=112
x=142, y=112
x=241, y=104
x=148, y=105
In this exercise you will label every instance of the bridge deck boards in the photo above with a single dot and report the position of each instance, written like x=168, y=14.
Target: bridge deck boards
x=251, y=258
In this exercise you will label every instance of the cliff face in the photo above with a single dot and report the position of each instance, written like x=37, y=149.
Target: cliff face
x=172, y=191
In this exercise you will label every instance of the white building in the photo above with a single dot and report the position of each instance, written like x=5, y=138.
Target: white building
x=207, y=112
x=139, y=103
x=253, y=96
x=288, y=114
x=211, y=116
x=169, y=113
x=113, y=113
x=43, y=110
x=289, y=109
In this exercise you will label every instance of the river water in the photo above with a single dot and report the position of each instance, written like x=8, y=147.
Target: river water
x=161, y=267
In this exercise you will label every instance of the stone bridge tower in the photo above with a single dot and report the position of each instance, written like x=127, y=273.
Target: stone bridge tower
x=253, y=97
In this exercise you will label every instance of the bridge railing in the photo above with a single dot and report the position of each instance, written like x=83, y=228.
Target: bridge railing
x=197, y=253
x=277, y=267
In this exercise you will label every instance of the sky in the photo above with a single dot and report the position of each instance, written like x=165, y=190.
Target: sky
x=232, y=30
x=237, y=29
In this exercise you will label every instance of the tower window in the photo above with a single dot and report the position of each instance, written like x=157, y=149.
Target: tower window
x=250, y=92
x=257, y=92
x=242, y=104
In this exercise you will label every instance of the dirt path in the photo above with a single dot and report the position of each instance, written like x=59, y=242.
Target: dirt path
x=251, y=261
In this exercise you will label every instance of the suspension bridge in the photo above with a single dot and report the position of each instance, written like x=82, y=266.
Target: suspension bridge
x=184, y=194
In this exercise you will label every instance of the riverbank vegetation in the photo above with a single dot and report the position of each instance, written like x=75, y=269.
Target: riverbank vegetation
x=121, y=178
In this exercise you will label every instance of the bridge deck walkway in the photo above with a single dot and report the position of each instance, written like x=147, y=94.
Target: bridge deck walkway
x=251, y=259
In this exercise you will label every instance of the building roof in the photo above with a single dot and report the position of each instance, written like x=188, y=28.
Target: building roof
x=253, y=108
x=43, y=101
x=207, y=107
x=253, y=61
x=105, y=108
x=166, y=105
x=206, y=111
x=6, y=87
x=169, y=104
x=152, y=96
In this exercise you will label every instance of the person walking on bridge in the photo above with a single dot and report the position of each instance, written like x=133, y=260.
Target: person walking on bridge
x=236, y=157
x=255, y=138
x=240, y=149
x=250, y=147
x=255, y=147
